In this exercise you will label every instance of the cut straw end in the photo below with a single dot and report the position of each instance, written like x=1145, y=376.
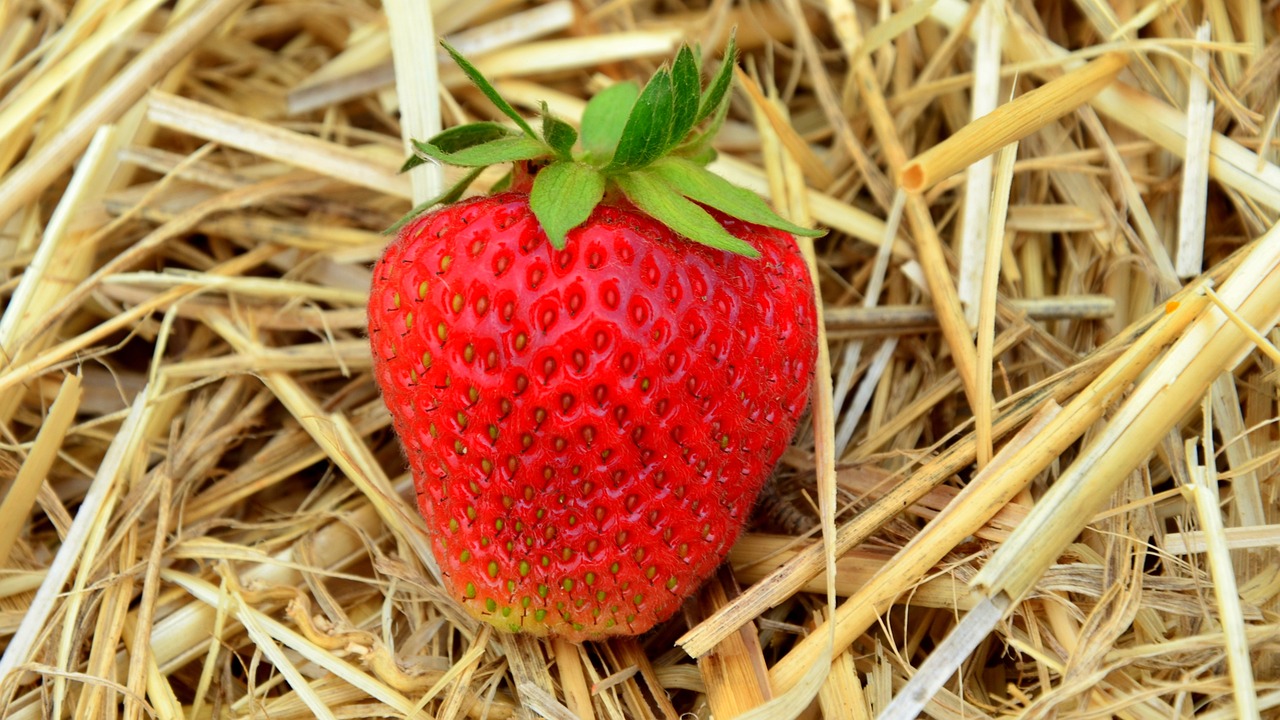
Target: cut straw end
x=1010, y=122
x=913, y=176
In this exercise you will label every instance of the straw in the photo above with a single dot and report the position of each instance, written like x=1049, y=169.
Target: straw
x=1195, y=172
x=1204, y=497
x=97, y=504
x=22, y=493
x=1010, y=122
x=1210, y=344
x=973, y=247
x=35, y=173
x=417, y=88
x=210, y=123
x=206, y=511
x=986, y=307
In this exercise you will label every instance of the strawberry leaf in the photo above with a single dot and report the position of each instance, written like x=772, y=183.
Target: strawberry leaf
x=503, y=150
x=648, y=129
x=686, y=85
x=700, y=153
x=605, y=117
x=698, y=146
x=718, y=91
x=448, y=196
x=460, y=138
x=563, y=196
x=412, y=162
x=656, y=197
x=701, y=185
x=559, y=134
x=473, y=74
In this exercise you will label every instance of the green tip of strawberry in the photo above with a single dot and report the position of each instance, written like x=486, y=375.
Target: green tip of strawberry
x=649, y=146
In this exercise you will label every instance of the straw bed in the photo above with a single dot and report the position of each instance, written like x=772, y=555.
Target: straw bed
x=1040, y=474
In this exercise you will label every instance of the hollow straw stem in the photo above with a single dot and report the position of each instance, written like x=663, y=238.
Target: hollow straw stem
x=1013, y=412
x=885, y=319
x=928, y=243
x=1011, y=471
x=43, y=167
x=1230, y=163
x=271, y=141
x=1213, y=344
x=417, y=86
x=1010, y=122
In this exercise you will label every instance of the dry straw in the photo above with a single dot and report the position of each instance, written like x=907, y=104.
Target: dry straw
x=1057, y=504
x=1010, y=122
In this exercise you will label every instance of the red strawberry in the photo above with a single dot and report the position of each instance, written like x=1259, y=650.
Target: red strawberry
x=590, y=403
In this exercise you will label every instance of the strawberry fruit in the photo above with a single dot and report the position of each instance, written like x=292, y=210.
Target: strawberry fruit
x=594, y=371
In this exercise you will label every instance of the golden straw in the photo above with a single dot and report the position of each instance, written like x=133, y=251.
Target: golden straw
x=1010, y=122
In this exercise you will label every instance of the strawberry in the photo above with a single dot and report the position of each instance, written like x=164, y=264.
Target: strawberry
x=594, y=371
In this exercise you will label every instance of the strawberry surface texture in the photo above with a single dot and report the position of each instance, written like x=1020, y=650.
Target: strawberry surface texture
x=594, y=372
x=587, y=428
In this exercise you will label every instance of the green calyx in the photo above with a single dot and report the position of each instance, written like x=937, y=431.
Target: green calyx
x=651, y=146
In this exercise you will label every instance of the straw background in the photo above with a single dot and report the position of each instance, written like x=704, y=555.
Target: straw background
x=1049, y=377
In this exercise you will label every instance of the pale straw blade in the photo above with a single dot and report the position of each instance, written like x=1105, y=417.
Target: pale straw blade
x=1210, y=346
x=40, y=458
x=983, y=409
x=975, y=242
x=1195, y=167
x=945, y=659
x=274, y=631
x=417, y=87
x=1203, y=493
x=27, y=104
x=42, y=167
x=123, y=451
x=981, y=498
x=286, y=146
